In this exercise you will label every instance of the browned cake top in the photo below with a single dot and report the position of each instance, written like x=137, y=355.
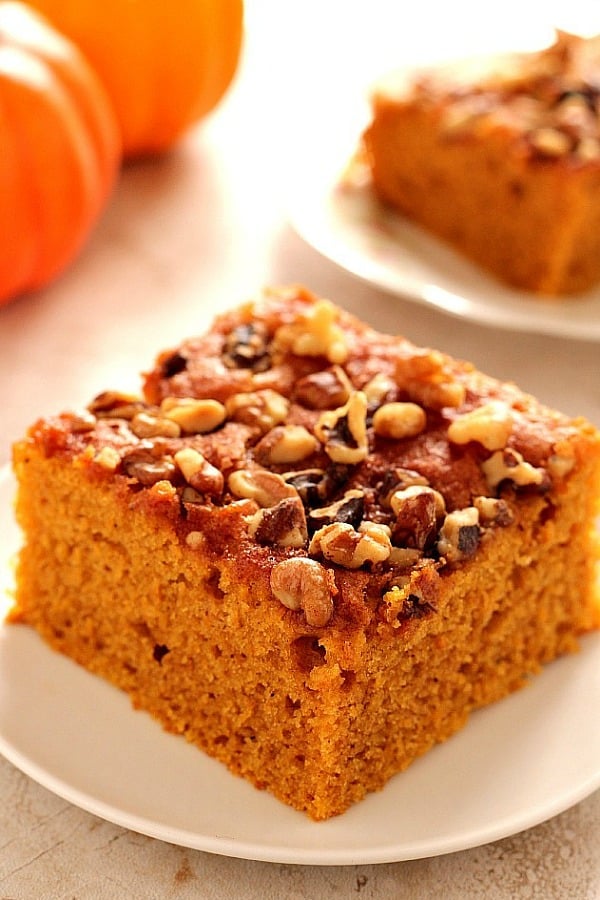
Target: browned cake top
x=295, y=439
x=549, y=100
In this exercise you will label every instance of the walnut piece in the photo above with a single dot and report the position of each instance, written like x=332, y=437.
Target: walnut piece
x=399, y=420
x=266, y=488
x=247, y=347
x=340, y=543
x=559, y=466
x=263, y=409
x=397, y=480
x=283, y=524
x=193, y=416
x=426, y=376
x=285, y=444
x=349, y=509
x=493, y=511
x=107, y=458
x=324, y=390
x=147, y=463
x=378, y=389
x=303, y=584
x=82, y=421
x=315, y=334
x=147, y=425
x=417, y=510
x=459, y=535
x=509, y=465
x=311, y=484
x=110, y=404
x=198, y=472
x=404, y=557
x=343, y=431
x=550, y=141
x=489, y=425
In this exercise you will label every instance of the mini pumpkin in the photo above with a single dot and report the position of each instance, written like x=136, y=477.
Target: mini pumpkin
x=164, y=64
x=59, y=150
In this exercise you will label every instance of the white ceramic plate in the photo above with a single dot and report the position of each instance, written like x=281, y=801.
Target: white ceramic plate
x=347, y=225
x=516, y=763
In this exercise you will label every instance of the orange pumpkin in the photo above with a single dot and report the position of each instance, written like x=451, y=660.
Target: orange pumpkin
x=59, y=150
x=164, y=63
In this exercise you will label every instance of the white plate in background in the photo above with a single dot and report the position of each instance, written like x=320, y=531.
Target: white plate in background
x=346, y=224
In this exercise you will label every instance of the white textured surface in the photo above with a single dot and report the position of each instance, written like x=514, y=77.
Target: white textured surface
x=183, y=237
x=52, y=850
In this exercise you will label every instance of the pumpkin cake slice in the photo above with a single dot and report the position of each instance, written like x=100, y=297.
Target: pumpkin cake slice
x=310, y=548
x=500, y=158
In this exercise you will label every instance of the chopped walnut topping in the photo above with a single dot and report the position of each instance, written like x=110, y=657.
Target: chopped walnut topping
x=509, y=465
x=193, y=416
x=404, y=557
x=199, y=473
x=110, y=404
x=192, y=496
x=146, y=425
x=266, y=488
x=285, y=444
x=316, y=334
x=378, y=389
x=264, y=409
x=489, y=425
x=311, y=484
x=417, y=510
x=350, y=509
x=148, y=465
x=417, y=489
x=304, y=584
x=439, y=395
x=493, y=511
x=82, y=421
x=343, y=431
x=419, y=364
x=459, y=535
x=340, y=543
x=108, y=458
x=550, y=141
x=283, y=524
x=399, y=420
x=246, y=347
x=560, y=466
x=173, y=364
x=426, y=376
x=397, y=480
x=324, y=390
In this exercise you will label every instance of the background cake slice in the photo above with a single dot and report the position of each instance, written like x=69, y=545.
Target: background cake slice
x=310, y=548
x=500, y=157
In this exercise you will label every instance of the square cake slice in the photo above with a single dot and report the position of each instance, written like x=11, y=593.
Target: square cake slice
x=310, y=548
x=500, y=157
